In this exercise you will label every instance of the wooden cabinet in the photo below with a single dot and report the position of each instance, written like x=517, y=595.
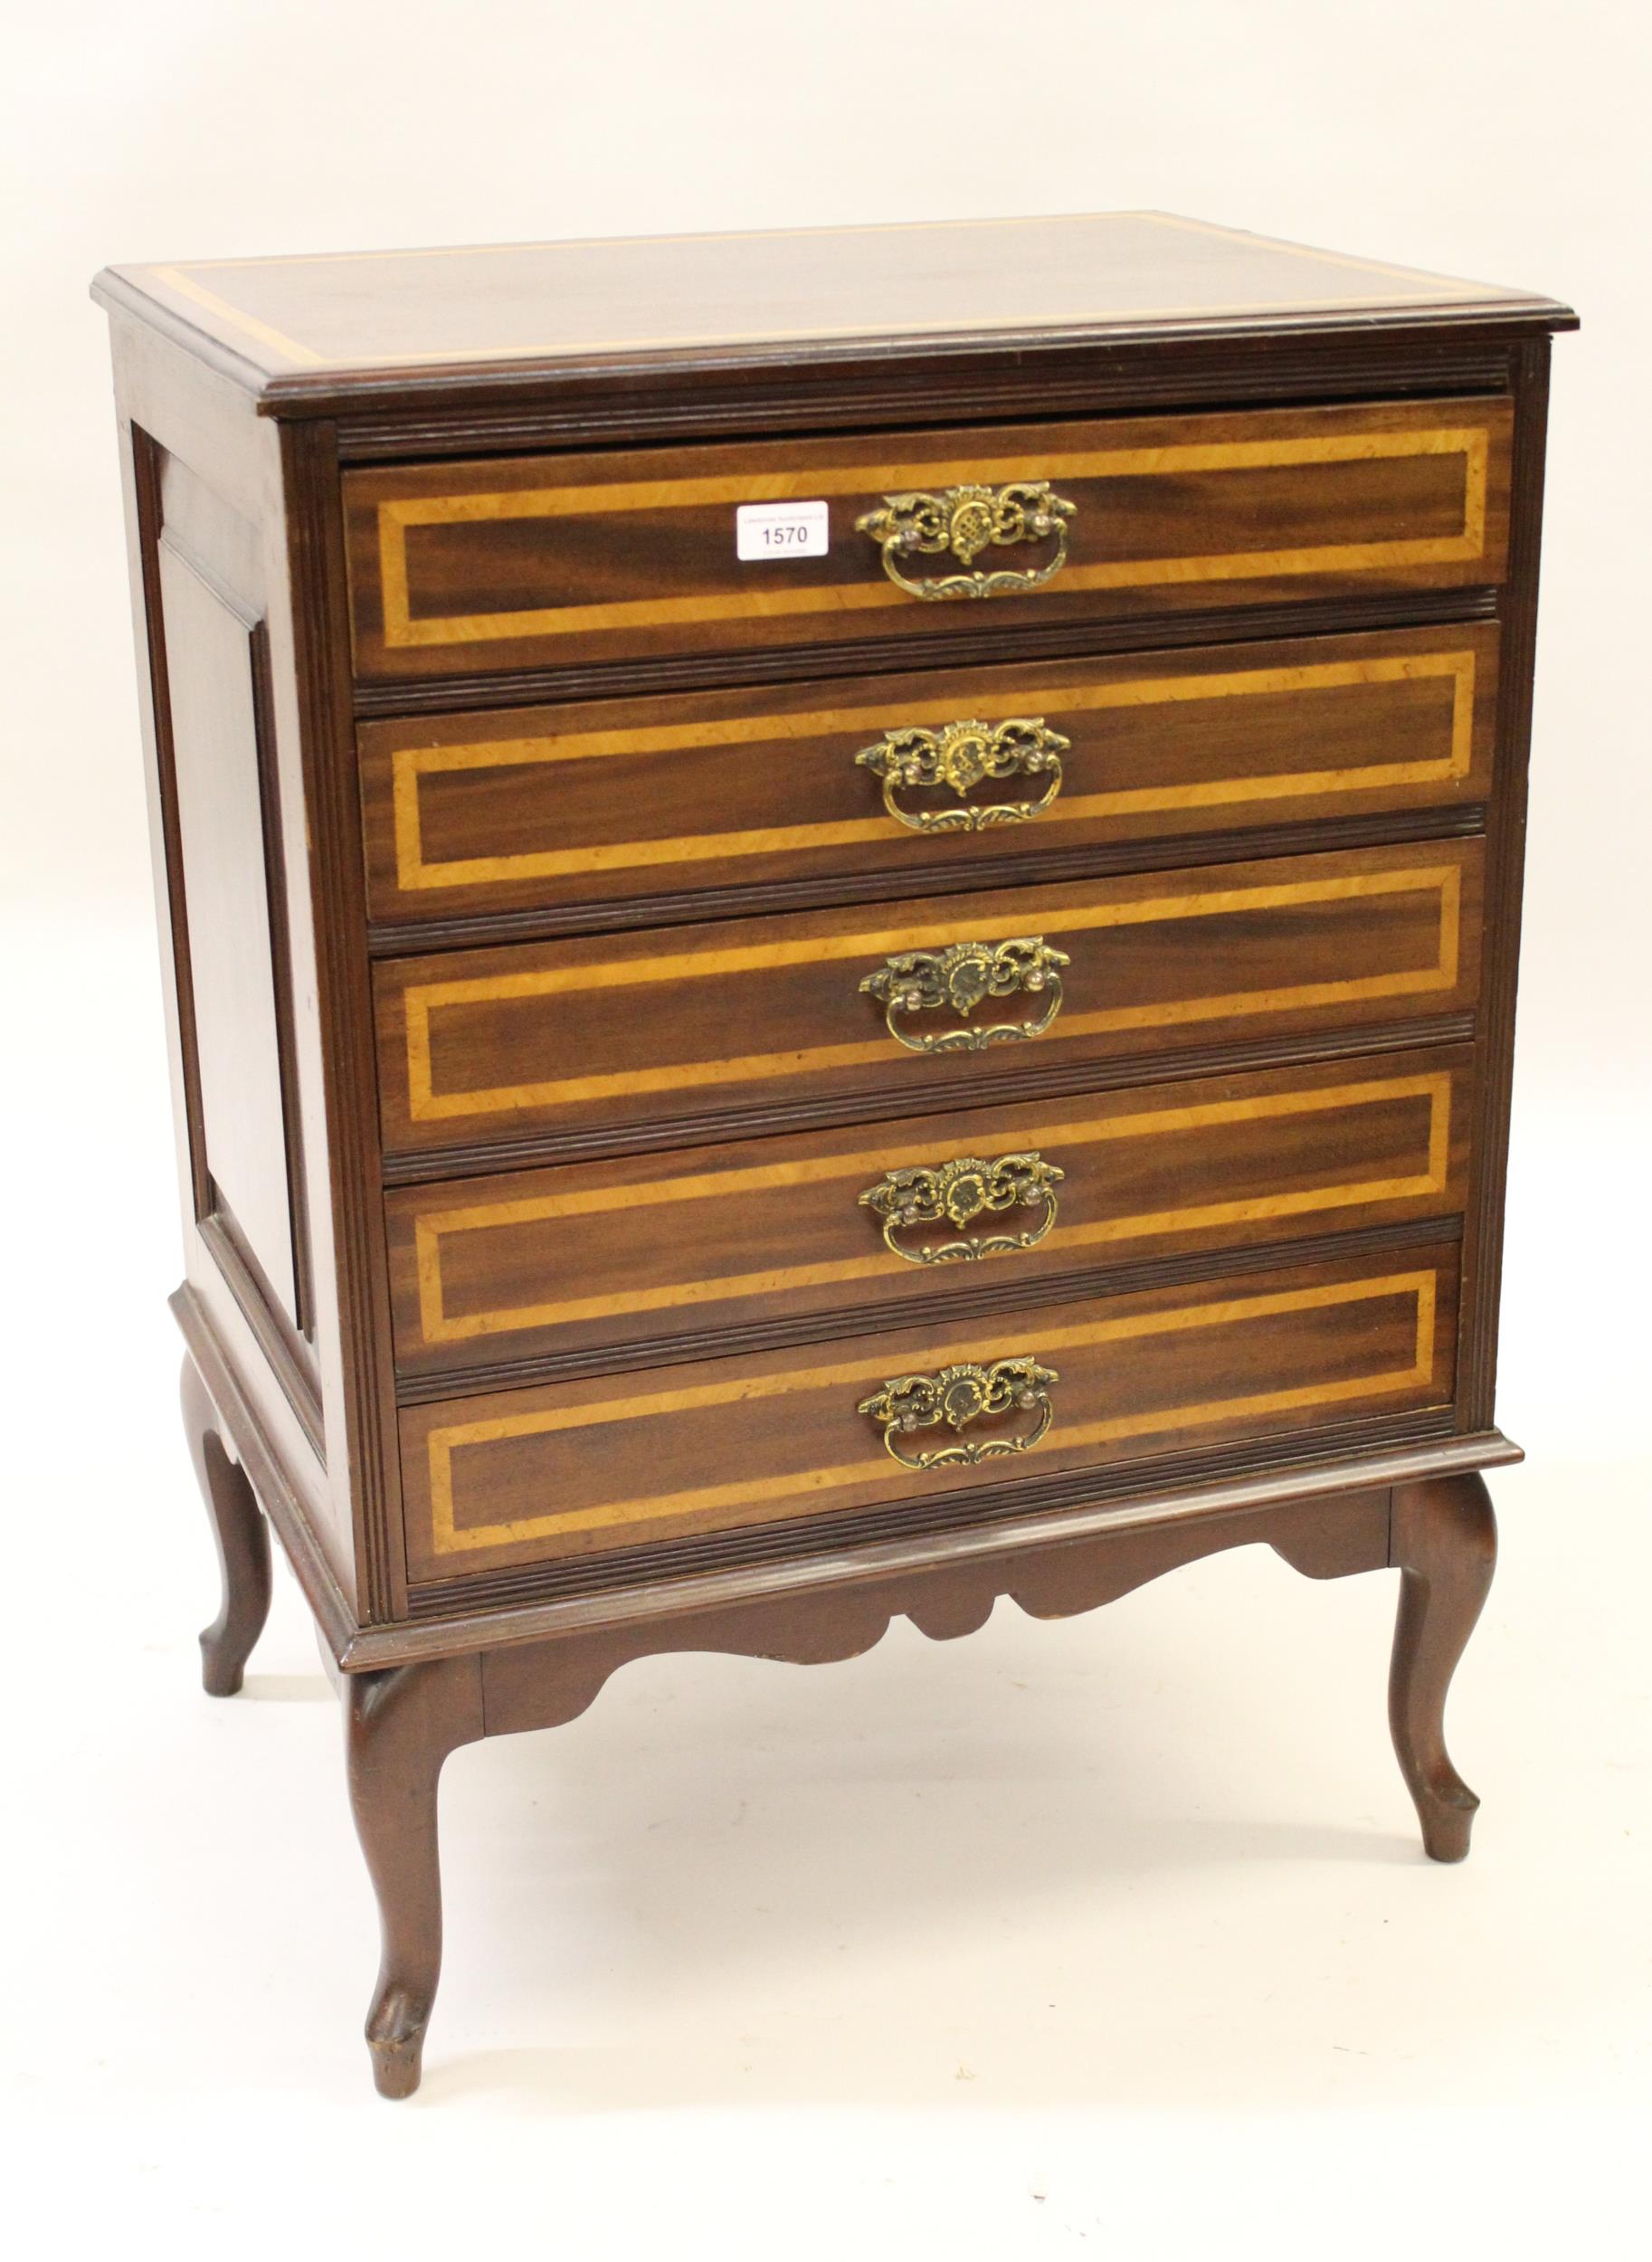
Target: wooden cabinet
x=832, y=970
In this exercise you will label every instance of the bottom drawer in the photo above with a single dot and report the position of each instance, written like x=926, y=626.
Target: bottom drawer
x=526, y=1475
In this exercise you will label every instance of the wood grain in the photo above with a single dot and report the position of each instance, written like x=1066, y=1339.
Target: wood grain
x=553, y=807
x=641, y=1028
x=504, y=411
x=560, y=559
x=519, y=883
x=530, y=1474
x=1444, y=1537
x=1505, y=862
x=308, y=320
x=637, y=1251
x=1330, y=1534
x=342, y=1012
x=229, y=846
x=400, y=1726
x=242, y=1537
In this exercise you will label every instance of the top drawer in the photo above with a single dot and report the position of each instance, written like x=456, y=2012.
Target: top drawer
x=548, y=561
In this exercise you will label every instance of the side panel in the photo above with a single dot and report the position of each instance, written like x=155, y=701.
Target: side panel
x=217, y=769
x=207, y=542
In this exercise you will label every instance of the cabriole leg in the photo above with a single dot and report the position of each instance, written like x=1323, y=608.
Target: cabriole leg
x=1444, y=1542
x=243, y=1542
x=400, y=1726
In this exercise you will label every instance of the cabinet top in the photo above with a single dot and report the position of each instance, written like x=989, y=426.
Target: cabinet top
x=296, y=327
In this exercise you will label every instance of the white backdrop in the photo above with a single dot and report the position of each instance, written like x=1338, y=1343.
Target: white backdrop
x=1115, y=1932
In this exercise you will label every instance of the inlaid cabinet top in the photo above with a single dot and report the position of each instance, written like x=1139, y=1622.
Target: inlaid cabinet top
x=288, y=325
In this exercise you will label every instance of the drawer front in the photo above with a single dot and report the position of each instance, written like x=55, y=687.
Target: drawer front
x=659, y=1249
x=550, y=806
x=529, y=1475
x=884, y=1004
x=548, y=561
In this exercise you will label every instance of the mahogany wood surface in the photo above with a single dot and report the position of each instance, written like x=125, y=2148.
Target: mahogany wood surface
x=400, y=1726
x=1505, y=852
x=519, y=882
x=521, y=1474
x=572, y=1036
x=558, y=560
x=242, y=1540
x=293, y=326
x=1445, y=1541
x=229, y=838
x=543, y=1684
x=644, y=1250
x=403, y=1724
x=191, y=442
x=541, y=810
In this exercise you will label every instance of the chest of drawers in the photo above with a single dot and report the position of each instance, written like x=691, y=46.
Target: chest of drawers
x=840, y=920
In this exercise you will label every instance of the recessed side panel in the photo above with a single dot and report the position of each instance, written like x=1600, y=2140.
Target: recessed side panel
x=217, y=775
x=208, y=527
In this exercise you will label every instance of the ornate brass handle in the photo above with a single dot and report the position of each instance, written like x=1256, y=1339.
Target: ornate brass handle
x=957, y=1396
x=956, y=1194
x=916, y=981
x=959, y=758
x=968, y=520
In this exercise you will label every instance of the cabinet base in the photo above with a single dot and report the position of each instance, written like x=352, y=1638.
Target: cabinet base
x=403, y=1719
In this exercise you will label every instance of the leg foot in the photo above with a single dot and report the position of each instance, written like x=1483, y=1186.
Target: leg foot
x=400, y=1726
x=1444, y=1542
x=243, y=1543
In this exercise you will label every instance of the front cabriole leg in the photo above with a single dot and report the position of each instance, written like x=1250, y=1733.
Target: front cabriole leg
x=242, y=1538
x=400, y=1726
x=1444, y=1542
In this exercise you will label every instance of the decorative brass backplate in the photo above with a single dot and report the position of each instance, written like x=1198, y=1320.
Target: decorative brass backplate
x=959, y=758
x=961, y=976
x=957, y=1396
x=968, y=520
x=956, y=1194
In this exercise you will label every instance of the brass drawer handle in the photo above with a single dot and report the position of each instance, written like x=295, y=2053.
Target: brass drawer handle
x=968, y=520
x=960, y=756
x=957, y=1396
x=956, y=1194
x=919, y=981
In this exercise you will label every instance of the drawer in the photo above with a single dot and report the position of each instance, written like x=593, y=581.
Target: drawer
x=914, y=1005
x=526, y=1475
x=526, y=809
x=549, y=561
x=663, y=1249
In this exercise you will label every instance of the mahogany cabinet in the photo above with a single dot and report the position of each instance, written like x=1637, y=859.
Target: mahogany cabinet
x=829, y=958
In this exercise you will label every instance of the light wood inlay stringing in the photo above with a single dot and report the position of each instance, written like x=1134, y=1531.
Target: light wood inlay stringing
x=446, y=1442
x=421, y=1002
x=1059, y=1141
x=415, y=871
x=402, y=630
